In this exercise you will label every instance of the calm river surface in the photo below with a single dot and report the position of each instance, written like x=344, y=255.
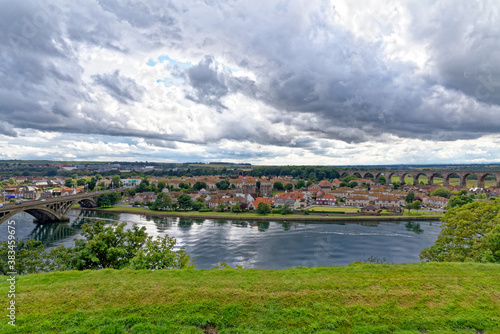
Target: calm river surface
x=265, y=245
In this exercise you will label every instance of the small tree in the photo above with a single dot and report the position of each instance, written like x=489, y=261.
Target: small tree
x=263, y=208
x=468, y=233
x=104, y=201
x=278, y=186
x=221, y=207
x=300, y=184
x=199, y=185
x=69, y=183
x=184, y=201
x=410, y=197
x=236, y=208
x=223, y=185
x=160, y=254
x=288, y=187
x=161, y=186
x=117, y=183
x=408, y=207
x=198, y=205
x=417, y=205
x=162, y=202
x=286, y=210
x=442, y=192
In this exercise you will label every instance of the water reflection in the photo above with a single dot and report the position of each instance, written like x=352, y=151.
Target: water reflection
x=414, y=227
x=263, y=226
x=237, y=223
x=256, y=244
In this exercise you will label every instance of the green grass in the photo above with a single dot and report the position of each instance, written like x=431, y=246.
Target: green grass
x=409, y=298
x=421, y=213
x=334, y=209
x=248, y=215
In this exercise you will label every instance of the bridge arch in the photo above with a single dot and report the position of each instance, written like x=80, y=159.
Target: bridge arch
x=482, y=178
x=344, y=174
x=369, y=174
x=377, y=177
x=464, y=176
x=41, y=214
x=448, y=176
x=402, y=177
x=52, y=210
x=389, y=177
x=358, y=174
x=432, y=175
x=87, y=203
x=416, y=177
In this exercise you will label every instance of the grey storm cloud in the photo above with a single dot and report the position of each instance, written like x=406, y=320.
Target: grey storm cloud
x=319, y=77
x=121, y=88
x=211, y=81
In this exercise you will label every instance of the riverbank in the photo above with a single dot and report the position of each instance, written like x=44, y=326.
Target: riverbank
x=269, y=217
x=359, y=298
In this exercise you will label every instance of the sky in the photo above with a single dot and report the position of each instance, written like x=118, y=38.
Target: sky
x=262, y=82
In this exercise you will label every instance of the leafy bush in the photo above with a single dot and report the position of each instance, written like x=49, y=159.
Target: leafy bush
x=109, y=199
x=30, y=257
x=205, y=210
x=469, y=233
x=102, y=247
x=159, y=254
x=115, y=247
x=263, y=208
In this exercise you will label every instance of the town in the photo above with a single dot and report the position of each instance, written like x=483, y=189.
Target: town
x=236, y=193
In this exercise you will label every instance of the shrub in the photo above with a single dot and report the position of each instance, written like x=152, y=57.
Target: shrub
x=469, y=233
x=117, y=248
x=205, y=210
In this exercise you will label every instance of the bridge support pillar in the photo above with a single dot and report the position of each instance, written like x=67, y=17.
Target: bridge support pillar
x=446, y=180
x=415, y=179
x=463, y=181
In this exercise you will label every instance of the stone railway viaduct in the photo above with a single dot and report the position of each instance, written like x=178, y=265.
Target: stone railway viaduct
x=445, y=174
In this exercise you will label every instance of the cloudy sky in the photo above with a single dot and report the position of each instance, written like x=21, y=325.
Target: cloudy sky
x=265, y=82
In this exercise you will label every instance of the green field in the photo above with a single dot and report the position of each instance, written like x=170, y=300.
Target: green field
x=360, y=298
x=333, y=209
x=255, y=216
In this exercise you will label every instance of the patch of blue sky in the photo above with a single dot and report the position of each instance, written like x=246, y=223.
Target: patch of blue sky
x=170, y=81
x=170, y=61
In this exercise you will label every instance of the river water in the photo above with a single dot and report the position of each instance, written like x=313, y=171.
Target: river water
x=265, y=245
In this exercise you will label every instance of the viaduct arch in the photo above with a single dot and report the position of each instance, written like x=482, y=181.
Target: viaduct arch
x=445, y=174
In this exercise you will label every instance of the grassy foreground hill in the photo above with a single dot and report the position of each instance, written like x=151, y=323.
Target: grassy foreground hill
x=360, y=298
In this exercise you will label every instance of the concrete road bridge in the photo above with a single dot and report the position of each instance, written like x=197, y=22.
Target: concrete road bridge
x=430, y=174
x=52, y=209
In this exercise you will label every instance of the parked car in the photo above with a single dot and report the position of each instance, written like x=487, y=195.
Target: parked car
x=19, y=203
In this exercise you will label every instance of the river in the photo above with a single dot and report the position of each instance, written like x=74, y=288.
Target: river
x=265, y=245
